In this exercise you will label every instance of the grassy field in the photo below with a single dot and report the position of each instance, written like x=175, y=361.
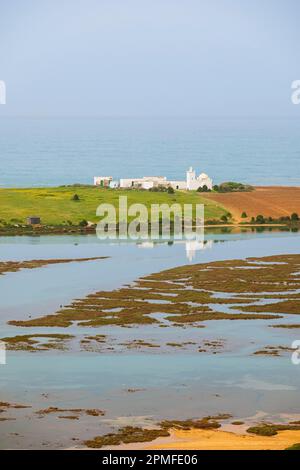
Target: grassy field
x=56, y=206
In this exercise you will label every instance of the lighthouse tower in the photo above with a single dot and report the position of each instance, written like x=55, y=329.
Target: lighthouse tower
x=190, y=178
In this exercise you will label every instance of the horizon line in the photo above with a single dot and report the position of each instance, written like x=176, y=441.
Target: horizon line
x=137, y=116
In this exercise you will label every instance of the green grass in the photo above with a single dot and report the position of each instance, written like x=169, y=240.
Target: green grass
x=56, y=207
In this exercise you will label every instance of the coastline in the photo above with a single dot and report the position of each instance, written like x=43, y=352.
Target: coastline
x=65, y=230
x=229, y=437
x=199, y=440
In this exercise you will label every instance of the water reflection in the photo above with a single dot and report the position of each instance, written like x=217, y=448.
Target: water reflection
x=191, y=246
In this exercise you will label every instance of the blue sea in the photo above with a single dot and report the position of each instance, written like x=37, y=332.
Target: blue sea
x=58, y=151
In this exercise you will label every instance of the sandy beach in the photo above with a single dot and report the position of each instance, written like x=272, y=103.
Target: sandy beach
x=198, y=439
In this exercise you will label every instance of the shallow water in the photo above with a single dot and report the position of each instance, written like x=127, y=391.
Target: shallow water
x=172, y=382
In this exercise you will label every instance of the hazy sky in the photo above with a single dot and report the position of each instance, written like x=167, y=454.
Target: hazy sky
x=149, y=57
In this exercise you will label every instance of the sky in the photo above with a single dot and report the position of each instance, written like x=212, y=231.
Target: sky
x=149, y=57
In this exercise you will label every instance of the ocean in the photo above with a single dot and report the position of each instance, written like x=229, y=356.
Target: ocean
x=59, y=151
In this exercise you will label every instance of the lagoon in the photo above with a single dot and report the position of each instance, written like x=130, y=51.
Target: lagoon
x=136, y=387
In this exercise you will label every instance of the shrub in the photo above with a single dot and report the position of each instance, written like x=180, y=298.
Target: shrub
x=294, y=217
x=231, y=187
x=170, y=190
x=244, y=215
x=224, y=218
x=203, y=189
x=263, y=430
x=83, y=223
x=158, y=189
x=75, y=198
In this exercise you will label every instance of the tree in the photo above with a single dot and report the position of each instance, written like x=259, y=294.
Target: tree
x=260, y=219
x=216, y=188
x=244, y=215
x=294, y=216
x=170, y=190
x=203, y=189
x=75, y=198
x=224, y=218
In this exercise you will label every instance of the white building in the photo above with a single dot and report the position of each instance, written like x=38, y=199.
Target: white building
x=192, y=182
x=177, y=184
x=147, y=182
x=103, y=181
